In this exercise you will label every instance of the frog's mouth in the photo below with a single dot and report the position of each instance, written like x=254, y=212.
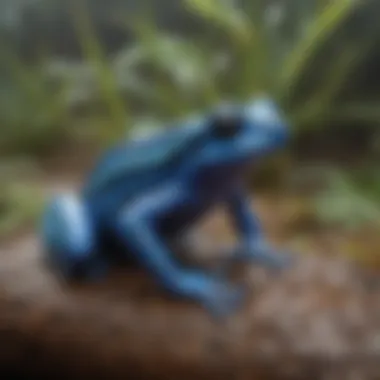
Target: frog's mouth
x=253, y=144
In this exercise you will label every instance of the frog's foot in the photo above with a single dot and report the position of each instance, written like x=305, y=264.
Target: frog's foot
x=218, y=297
x=272, y=259
x=262, y=255
x=68, y=240
x=224, y=300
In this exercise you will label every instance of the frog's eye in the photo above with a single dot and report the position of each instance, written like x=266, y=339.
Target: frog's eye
x=226, y=121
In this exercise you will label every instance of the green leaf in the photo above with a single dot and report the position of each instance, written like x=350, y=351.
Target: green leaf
x=318, y=32
x=226, y=14
x=346, y=204
x=96, y=58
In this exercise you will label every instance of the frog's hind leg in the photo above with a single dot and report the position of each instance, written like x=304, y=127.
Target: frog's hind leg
x=69, y=239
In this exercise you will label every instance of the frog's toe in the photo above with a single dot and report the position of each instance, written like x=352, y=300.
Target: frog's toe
x=284, y=260
x=273, y=260
x=225, y=302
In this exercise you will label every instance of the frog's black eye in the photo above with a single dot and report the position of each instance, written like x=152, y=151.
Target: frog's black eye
x=226, y=122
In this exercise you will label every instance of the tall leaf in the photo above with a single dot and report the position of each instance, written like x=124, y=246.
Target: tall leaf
x=95, y=57
x=320, y=29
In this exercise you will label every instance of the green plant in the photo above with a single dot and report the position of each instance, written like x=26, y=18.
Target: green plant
x=348, y=202
x=257, y=54
x=105, y=76
x=33, y=114
x=20, y=206
x=21, y=199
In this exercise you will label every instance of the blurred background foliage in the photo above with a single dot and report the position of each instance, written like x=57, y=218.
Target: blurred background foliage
x=94, y=71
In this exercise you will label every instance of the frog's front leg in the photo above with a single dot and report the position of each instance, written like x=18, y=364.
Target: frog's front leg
x=253, y=245
x=138, y=227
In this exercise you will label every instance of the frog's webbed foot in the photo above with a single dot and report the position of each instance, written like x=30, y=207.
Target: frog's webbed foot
x=220, y=298
x=271, y=258
x=254, y=247
x=225, y=301
x=255, y=254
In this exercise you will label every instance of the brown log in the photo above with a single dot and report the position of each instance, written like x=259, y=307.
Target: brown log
x=315, y=321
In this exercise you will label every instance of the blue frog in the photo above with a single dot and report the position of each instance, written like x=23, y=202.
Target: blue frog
x=144, y=192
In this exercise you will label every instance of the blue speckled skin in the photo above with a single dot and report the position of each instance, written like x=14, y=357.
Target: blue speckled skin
x=144, y=192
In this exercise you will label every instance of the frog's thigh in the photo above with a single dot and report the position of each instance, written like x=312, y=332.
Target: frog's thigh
x=68, y=235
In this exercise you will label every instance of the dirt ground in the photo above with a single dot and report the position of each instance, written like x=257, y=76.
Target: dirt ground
x=318, y=320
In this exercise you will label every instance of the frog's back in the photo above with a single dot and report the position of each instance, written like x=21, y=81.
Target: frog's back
x=135, y=162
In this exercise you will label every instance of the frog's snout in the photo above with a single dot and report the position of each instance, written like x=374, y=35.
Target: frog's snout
x=268, y=118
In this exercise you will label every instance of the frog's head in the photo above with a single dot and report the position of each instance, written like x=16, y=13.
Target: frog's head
x=242, y=133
